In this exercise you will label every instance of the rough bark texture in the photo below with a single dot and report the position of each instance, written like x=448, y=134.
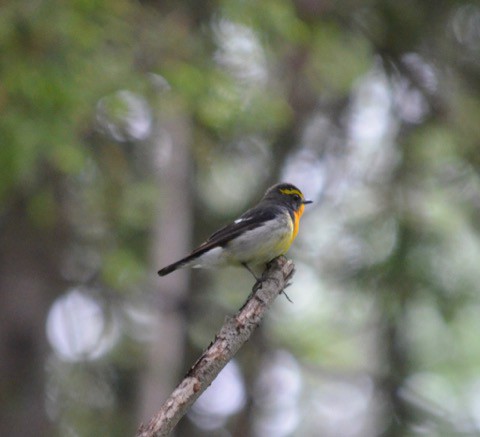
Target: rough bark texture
x=235, y=331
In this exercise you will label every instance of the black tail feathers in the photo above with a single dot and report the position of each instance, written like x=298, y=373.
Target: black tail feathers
x=197, y=253
x=172, y=267
x=180, y=263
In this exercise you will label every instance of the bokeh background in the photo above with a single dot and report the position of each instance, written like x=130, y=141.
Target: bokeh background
x=131, y=130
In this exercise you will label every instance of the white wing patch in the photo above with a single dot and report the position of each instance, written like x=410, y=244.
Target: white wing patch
x=239, y=220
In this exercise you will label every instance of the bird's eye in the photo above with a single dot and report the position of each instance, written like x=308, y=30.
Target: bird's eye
x=296, y=197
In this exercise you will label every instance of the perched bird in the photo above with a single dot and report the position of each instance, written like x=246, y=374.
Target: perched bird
x=257, y=237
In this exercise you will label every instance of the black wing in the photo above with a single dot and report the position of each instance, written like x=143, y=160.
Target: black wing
x=251, y=219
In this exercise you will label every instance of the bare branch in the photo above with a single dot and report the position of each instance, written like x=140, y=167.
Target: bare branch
x=235, y=331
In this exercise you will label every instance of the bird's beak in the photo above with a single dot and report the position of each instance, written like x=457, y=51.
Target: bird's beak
x=305, y=202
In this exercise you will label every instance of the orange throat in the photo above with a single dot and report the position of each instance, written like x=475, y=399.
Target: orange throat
x=296, y=222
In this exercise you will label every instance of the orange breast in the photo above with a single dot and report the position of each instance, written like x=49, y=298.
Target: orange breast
x=296, y=222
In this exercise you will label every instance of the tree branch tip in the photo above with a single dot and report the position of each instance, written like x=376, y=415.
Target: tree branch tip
x=286, y=295
x=289, y=267
x=228, y=340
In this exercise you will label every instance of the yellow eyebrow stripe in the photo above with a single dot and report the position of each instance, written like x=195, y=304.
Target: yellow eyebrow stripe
x=290, y=191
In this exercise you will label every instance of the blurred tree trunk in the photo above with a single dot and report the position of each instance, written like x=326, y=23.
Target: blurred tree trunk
x=171, y=241
x=28, y=283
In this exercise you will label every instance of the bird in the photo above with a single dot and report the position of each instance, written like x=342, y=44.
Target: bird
x=258, y=236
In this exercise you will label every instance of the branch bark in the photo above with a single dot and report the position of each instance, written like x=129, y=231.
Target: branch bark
x=233, y=334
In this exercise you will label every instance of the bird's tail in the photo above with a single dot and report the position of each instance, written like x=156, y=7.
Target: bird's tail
x=172, y=267
x=184, y=261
